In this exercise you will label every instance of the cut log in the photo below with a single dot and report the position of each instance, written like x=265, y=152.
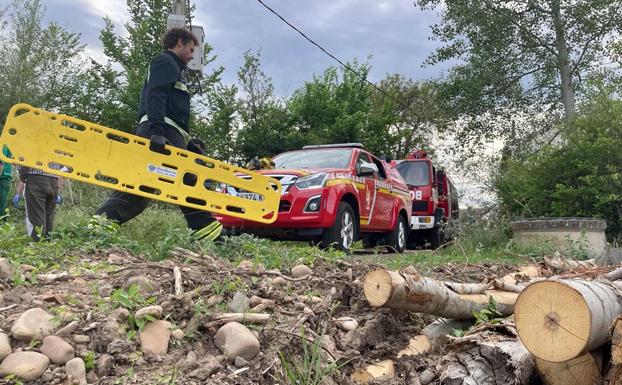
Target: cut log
x=467, y=288
x=614, y=375
x=492, y=360
x=559, y=320
x=433, y=336
x=559, y=264
x=583, y=370
x=505, y=286
x=223, y=318
x=383, y=369
x=614, y=275
x=384, y=288
x=524, y=274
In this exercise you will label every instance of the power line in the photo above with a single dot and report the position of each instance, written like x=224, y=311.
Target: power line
x=344, y=65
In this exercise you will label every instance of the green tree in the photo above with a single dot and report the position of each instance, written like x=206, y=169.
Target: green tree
x=520, y=57
x=583, y=176
x=40, y=63
x=266, y=128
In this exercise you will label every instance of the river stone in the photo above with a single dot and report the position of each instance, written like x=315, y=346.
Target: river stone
x=301, y=271
x=103, y=365
x=5, y=346
x=154, y=337
x=6, y=269
x=234, y=339
x=57, y=349
x=239, y=303
x=26, y=365
x=76, y=371
x=145, y=285
x=33, y=324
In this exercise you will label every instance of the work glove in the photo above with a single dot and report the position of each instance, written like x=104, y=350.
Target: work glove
x=16, y=199
x=157, y=143
x=59, y=199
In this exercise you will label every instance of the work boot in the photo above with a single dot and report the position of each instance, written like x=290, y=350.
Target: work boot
x=211, y=232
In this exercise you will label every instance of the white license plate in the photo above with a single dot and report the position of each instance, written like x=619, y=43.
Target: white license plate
x=251, y=196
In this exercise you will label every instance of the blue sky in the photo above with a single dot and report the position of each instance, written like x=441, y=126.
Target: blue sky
x=395, y=32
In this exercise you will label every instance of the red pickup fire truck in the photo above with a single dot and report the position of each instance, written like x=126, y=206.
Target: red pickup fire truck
x=434, y=199
x=335, y=194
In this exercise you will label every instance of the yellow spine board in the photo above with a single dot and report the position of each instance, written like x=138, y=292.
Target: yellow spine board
x=87, y=152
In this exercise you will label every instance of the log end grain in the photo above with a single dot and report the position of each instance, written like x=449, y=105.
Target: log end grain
x=378, y=287
x=553, y=321
x=583, y=370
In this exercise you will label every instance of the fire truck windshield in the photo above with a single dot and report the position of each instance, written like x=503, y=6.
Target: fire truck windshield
x=324, y=158
x=415, y=173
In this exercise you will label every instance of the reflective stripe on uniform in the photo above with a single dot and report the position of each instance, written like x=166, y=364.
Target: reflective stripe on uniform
x=185, y=135
x=181, y=86
x=209, y=232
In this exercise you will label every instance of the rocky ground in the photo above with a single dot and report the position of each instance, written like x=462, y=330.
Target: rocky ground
x=116, y=319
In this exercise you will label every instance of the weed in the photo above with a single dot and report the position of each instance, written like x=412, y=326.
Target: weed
x=489, y=314
x=131, y=299
x=89, y=360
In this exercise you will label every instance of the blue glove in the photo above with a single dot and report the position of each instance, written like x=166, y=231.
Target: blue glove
x=59, y=199
x=16, y=199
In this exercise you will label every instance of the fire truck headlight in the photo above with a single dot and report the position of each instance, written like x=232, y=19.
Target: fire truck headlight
x=313, y=204
x=311, y=181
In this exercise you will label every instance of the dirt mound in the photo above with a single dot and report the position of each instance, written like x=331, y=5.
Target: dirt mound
x=299, y=329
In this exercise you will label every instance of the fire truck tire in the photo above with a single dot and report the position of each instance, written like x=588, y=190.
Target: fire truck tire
x=436, y=238
x=342, y=234
x=397, y=238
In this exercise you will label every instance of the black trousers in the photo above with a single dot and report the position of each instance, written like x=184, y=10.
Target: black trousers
x=122, y=206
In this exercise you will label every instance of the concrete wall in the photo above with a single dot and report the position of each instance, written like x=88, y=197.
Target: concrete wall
x=565, y=233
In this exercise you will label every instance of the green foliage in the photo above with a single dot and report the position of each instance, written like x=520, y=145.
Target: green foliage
x=89, y=360
x=40, y=63
x=518, y=58
x=488, y=315
x=131, y=299
x=579, y=178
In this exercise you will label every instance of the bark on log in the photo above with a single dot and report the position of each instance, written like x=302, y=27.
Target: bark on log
x=559, y=320
x=614, y=275
x=467, y=288
x=505, y=286
x=560, y=264
x=493, y=361
x=616, y=343
x=384, y=288
x=583, y=370
x=223, y=318
x=614, y=375
x=524, y=274
x=433, y=336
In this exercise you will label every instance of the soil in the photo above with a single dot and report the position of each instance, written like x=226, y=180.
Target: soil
x=333, y=290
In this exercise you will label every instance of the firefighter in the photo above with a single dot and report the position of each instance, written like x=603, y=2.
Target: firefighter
x=256, y=163
x=164, y=113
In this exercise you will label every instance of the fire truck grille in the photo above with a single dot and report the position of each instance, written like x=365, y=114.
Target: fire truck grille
x=420, y=206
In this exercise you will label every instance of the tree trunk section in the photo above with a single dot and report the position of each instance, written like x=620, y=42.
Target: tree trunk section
x=433, y=336
x=559, y=320
x=384, y=288
x=563, y=65
x=494, y=361
x=583, y=370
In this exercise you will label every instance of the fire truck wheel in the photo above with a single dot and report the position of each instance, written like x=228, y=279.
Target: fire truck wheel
x=436, y=237
x=396, y=238
x=343, y=232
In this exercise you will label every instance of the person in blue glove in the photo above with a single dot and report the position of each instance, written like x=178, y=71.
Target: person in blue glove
x=19, y=193
x=6, y=173
x=164, y=115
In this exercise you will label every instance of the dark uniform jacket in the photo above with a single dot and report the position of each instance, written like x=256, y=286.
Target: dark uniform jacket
x=165, y=94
